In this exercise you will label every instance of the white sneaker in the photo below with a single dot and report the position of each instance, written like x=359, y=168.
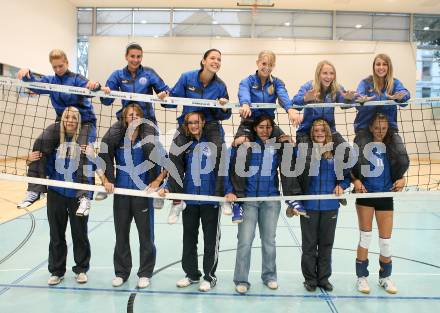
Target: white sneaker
x=241, y=288
x=387, y=284
x=143, y=282
x=54, y=280
x=158, y=203
x=175, y=209
x=117, y=281
x=100, y=196
x=81, y=278
x=226, y=208
x=84, y=207
x=272, y=284
x=29, y=198
x=185, y=282
x=362, y=285
x=205, y=286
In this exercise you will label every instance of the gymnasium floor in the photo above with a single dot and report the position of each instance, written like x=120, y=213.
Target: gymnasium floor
x=416, y=262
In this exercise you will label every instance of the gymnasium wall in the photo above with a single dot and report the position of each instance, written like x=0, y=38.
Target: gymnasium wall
x=30, y=29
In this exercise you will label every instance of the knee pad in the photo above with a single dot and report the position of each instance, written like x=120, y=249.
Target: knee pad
x=365, y=239
x=385, y=247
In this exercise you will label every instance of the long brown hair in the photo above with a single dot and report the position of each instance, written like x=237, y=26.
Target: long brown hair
x=135, y=107
x=328, y=136
x=317, y=86
x=389, y=79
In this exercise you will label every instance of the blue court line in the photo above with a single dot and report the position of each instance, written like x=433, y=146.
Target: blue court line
x=223, y=294
x=329, y=302
x=233, y=225
x=36, y=268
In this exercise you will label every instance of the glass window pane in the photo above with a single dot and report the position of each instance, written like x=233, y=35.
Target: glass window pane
x=192, y=30
x=151, y=29
x=152, y=16
x=391, y=22
x=113, y=29
x=233, y=17
x=85, y=29
x=113, y=16
x=83, y=56
x=354, y=34
x=351, y=20
x=390, y=35
x=85, y=16
x=235, y=31
x=313, y=32
x=273, y=18
x=423, y=21
x=273, y=31
x=312, y=19
x=193, y=16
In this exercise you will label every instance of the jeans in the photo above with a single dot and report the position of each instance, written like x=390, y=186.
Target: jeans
x=266, y=214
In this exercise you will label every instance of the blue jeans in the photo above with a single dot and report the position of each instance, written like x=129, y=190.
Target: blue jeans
x=266, y=215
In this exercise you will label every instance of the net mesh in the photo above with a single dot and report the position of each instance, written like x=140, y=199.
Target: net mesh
x=24, y=116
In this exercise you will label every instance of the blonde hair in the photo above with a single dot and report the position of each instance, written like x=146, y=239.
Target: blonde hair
x=270, y=56
x=57, y=54
x=63, y=145
x=328, y=135
x=317, y=86
x=389, y=79
x=187, y=116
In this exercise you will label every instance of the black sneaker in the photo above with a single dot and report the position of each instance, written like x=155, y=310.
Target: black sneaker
x=309, y=286
x=326, y=286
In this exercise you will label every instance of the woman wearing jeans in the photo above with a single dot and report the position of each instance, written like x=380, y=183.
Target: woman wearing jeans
x=264, y=183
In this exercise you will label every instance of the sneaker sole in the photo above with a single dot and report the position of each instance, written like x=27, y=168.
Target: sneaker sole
x=57, y=283
x=364, y=291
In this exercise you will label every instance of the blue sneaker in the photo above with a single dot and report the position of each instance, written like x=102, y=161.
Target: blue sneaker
x=295, y=207
x=237, y=213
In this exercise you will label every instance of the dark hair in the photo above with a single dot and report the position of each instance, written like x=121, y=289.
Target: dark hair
x=132, y=46
x=206, y=54
x=261, y=119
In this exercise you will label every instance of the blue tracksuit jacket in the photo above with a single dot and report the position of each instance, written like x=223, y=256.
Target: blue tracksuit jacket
x=251, y=91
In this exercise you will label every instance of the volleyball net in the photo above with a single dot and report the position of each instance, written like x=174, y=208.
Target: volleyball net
x=24, y=115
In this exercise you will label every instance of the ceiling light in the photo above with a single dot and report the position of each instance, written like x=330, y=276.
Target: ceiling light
x=214, y=22
x=358, y=26
x=156, y=36
x=286, y=23
x=426, y=28
x=144, y=22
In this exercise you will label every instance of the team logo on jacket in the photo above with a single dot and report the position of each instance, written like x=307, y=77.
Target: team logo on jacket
x=255, y=86
x=206, y=151
x=191, y=88
x=143, y=81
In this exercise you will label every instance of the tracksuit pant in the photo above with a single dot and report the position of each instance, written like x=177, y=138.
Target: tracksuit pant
x=60, y=209
x=318, y=235
x=125, y=208
x=209, y=214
